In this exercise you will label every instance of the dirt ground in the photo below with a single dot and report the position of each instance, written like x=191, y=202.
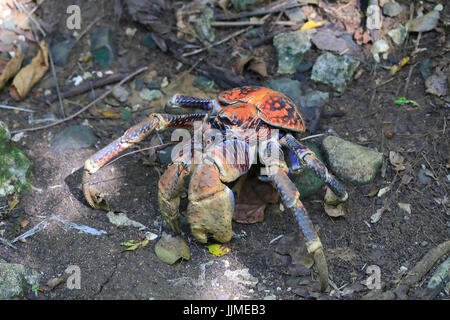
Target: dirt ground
x=351, y=243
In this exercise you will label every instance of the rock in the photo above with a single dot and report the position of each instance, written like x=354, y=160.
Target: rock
x=314, y=98
x=425, y=68
x=442, y=272
x=241, y=276
x=270, y=297
x=120, y=93
x=426, y=22
x=60, y=52
x=291, y=88
x=437, y=83
x=306, y=181
x=15, y=279
x=398, y=35
x=121, y=220
x=203, y=82
x=423, y=177
x=14, y=165
x=73, y=137
x=334, y=41
x=304, y=66
x=138, y=84
x=102, y=46
x=392, y=9
x=334, y=71
x=380, y=46
x=296, y=14
x=350, y=161
x=202, y=25
x=423, y=244
x=170, y=249
x=148, y=41
x=150, y=95
x=291, y=46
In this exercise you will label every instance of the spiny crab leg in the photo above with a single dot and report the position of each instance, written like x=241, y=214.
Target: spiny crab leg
x=309, y=159
x=291, y=199
x=134, y=134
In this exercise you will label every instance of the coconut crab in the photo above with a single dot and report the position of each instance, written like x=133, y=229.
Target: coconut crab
x=246, y=115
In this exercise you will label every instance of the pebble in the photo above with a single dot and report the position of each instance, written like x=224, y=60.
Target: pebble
x=350, y=161
x=392, y=9
x=73, y=137
x=291, y=46
x=424, y=243
x=150, y=95
x=422, y=177
x=270, y=297
x=334, y=71
x=120, y=93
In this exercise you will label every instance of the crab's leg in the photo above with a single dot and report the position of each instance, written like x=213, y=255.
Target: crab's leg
x=134, y=134
x=277, y=172
x=309, y=159
x=169, y=186
x=180, y=101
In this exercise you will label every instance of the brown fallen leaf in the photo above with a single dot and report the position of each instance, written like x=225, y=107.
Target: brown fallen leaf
x=252, y=200
x=252, y=63
x=332, y=205
x=24, y=223
x=30, y=74
x=373, y=192
x=11, y=67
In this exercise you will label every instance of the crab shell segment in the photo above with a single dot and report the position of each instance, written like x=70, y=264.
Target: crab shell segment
x=272, y=107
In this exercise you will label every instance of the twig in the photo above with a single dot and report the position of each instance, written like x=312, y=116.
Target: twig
x=86, y=86
x=260, y=12
x=2, y=106
x=86, y=107
x=58, y=92
x=22, y=8
x=405, y=90
x=235, y=34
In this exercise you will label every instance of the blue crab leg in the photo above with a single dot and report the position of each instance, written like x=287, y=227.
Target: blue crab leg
x=308, y=158
x=180, y=101
x=135, y=134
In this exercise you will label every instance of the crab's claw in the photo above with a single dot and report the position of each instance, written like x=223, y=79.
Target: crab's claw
x=99, y=159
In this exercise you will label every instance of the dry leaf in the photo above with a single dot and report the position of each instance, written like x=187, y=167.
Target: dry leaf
x=396, y=160
x=377, y=215
x=11, y=67
x=383, y=191
x=406, y=179
x=373, y=192
x=30, y=74
x=437, y=83
x=24, y=223
x=252, y=199
x=333, y=206
x=253, y=63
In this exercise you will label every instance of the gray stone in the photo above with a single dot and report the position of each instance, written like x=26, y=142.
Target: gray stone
x=398, y=35
x=202, y=25
x=103, y=46
x=422, y=177
x=73, y=137
x=120, y=93
x=314, y=98
x=334, y=71
x=14, y=279
x=60, y=52
x=203, y=82
x=291, y=88
x=291, y=46
x=442, y=272
x=306, y=181
x=350, y=161
x=14, y=165
x=150, y=95
x=392, y=9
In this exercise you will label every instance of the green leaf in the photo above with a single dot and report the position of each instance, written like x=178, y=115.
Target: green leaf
x=403, y=100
